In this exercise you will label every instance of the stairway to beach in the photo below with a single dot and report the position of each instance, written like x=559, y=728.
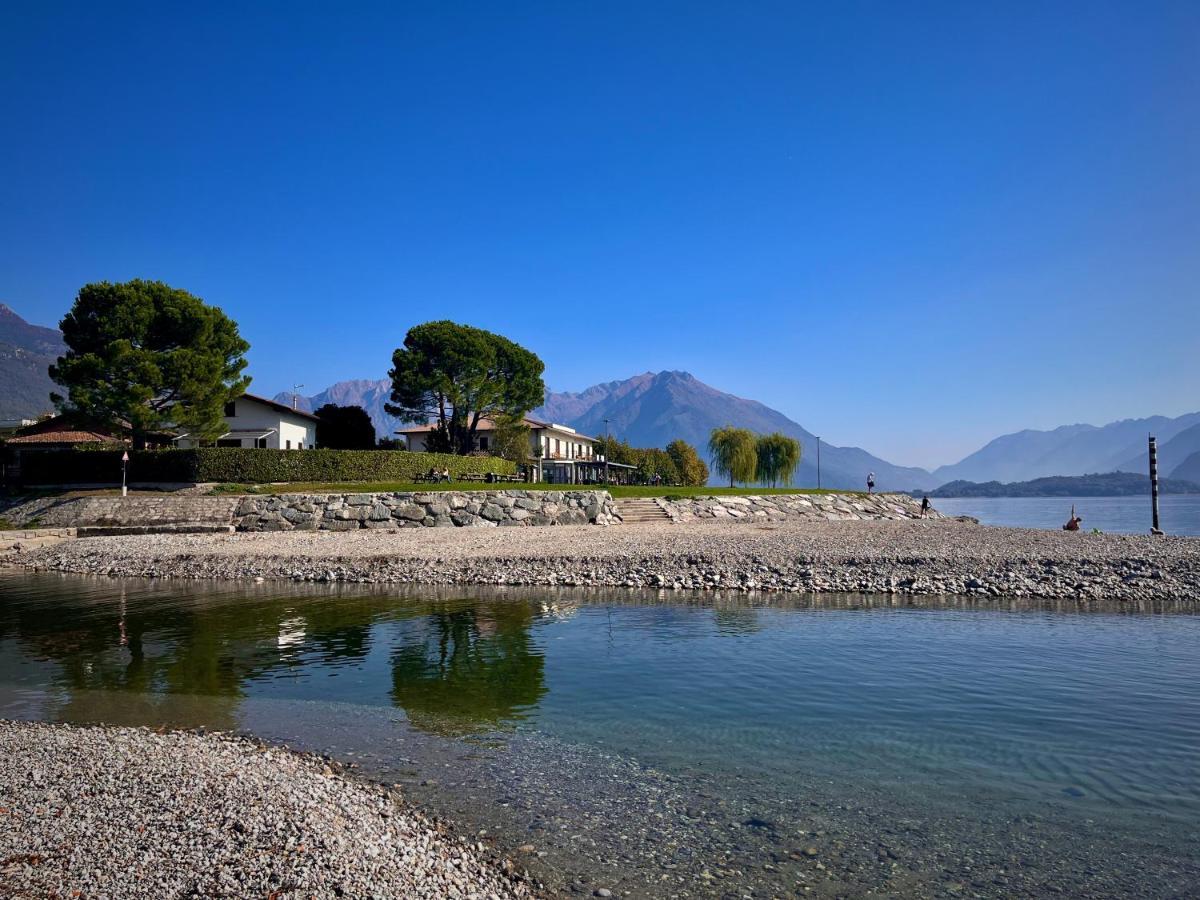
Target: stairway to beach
x=641, y=510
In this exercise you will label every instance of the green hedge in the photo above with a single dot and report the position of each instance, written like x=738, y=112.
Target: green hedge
x=245, y=466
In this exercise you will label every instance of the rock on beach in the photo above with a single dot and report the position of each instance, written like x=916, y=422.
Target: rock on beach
x=126, y=812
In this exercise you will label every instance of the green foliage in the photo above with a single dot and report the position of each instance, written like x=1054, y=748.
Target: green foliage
x=734, y=453
x=456, y=375
x=778, y=458
x=150, y=355
x=692, y=469
x=246, y=465
x=654, y=463
x=616, y=450
x=510, y=439
x=344, y=428
x=650, y=461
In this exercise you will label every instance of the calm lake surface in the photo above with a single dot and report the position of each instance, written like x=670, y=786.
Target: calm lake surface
x=1178, y=513
x=833, y=747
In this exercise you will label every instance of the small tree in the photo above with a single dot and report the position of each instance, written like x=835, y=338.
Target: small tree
x=510, y=439
x=616, y=450
x=344, y=428
x=692, y=470
x=151, y=355
x=734, y=453
x=653, y=462
x=457, y=375
x=778, y=457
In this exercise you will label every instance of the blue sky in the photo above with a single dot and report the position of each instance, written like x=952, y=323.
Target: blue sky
x=910, y=227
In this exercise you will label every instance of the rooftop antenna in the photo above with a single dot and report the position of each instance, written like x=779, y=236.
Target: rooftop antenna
x=296, y=395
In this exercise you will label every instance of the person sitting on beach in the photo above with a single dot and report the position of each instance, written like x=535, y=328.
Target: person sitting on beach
x=1074, y=522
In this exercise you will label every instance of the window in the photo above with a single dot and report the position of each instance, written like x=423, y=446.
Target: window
x=261, y=443
x=230, y=410
x=557, y=447
x=289, y=445
x=229, y=442
x=483, y=443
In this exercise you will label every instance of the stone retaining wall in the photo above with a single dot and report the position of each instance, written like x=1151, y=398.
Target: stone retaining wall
x=772, y=507
x=446, y=509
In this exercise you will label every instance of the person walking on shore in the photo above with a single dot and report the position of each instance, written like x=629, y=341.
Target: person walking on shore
x=871, y=483
x=924, y=506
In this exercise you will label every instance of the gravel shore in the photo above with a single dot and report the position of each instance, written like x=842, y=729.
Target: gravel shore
x=905, y=557
x=123, y=812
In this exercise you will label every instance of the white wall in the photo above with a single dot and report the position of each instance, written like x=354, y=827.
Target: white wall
x=250, y=415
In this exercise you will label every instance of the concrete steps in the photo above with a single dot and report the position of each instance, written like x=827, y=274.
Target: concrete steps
x=23, y=539
x=642, y=511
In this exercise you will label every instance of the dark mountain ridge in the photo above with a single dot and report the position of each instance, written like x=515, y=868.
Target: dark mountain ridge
x=26, y=352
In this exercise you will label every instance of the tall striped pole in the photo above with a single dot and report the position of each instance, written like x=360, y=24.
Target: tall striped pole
x=1154, y=484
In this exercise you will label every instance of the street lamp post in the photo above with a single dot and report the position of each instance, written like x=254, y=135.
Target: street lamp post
x=818, y=462
x=124, y=464
x=607, y=450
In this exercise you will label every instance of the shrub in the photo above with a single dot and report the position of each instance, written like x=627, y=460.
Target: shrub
x=245, y=466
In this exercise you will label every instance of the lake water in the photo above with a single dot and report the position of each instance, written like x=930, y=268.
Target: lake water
x=829, y=747
x=1178, y=513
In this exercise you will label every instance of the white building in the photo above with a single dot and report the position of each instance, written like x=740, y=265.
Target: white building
x=258, y=422
x=557, y=453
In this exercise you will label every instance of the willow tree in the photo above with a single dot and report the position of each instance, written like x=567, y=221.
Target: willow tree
x=734, y=453
x=455, y=376
x=778, y=458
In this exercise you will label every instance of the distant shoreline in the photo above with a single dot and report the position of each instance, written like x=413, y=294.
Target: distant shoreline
x=1111, y=484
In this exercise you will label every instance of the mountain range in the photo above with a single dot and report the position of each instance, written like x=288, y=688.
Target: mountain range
x=1079, y=450
x=650, y=409
x=26, y=351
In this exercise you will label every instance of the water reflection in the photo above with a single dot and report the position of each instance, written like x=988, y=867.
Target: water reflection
x=142, y=656
x=469, y=668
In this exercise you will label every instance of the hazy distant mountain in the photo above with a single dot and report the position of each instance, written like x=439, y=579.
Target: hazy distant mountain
x=25, y=353
x=1070, y=450
x=1188, y=470
x=1172, y=451
x=370, y=395
x=653, y=409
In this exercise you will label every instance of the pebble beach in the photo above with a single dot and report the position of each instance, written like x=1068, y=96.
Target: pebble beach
x=129, y=812
x=915, y=557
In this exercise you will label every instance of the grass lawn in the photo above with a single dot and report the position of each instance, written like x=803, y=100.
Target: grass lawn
x=616, y=490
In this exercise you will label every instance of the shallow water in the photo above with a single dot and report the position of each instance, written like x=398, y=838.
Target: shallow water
x=1178, y=513
x=666, y=748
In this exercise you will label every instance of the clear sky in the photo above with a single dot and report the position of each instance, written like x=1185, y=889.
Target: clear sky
x=910, y=227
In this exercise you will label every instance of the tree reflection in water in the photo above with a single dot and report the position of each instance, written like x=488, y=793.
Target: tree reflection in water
x=467, y=668
x=186, y=656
